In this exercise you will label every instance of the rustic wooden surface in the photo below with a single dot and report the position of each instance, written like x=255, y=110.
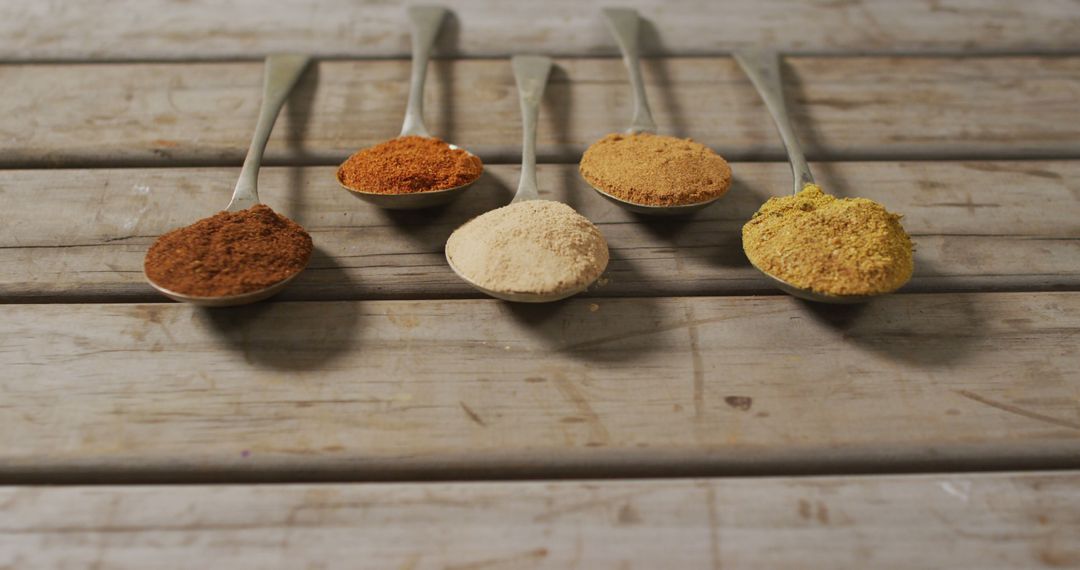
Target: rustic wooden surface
x=121, y=120
x=844, y=108
x=434, y=389
x=977, y=225
x=204, y=29
x=1012, y=520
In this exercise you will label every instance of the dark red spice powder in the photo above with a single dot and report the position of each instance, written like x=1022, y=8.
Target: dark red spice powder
x=229, y=253
x=407, y=165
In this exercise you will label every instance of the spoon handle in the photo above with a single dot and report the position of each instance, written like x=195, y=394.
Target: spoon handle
x=763, y=68
x=531, y=74
x=425, y=21
x=624, y=24
x=280, y=74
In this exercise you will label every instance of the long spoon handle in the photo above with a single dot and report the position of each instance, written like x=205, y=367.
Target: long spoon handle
x=531, y=74
x=763, y=68
x=624, y=24
x=425, y=21
x=280, y=74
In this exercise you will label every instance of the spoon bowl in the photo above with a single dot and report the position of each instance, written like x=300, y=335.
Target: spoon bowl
x=410, y=201
x=814, y=296
x=227, y=300
x=518, y=297
x=649, y=210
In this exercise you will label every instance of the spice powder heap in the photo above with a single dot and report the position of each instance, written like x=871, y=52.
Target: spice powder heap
x=407, y=165
x=655, y=170
x=537, y=247
x=829, y=245
x=229, y=253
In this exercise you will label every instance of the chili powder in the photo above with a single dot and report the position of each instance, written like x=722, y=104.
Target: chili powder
x=229, y=253
x=407, y=165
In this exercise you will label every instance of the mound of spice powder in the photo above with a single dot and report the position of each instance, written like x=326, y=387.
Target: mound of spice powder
x=830, y=245
x=229, y=253
x=655, y=170
x=536, y=246
x=407, y=165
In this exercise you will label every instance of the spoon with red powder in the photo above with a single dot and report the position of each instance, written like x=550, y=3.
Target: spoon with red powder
x=247, y=252
x=414, y=170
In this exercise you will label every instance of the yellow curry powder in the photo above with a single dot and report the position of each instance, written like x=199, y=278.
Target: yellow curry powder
x=830, y=245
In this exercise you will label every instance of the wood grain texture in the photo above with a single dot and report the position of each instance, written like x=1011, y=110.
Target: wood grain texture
x=1009, y=520
x=167, y=29
x=82, y=234
x=450, y=389
x=843, y=108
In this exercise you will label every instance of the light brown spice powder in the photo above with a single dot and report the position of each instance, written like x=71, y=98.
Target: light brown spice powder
x=655, y=170
x=829, y=245
x=537, y=246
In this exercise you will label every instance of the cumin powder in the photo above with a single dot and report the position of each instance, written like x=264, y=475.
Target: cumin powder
x=407, y=165
x=830, y=245
x=655, y=170
x=229, y=253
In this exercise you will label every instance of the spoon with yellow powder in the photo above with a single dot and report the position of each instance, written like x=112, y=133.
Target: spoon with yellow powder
x=816, y=246
x=533, y=250
x=640, y=170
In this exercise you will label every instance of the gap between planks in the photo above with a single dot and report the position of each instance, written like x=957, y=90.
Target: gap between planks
x=512, y=158
x=590, y=465
x=980, y=53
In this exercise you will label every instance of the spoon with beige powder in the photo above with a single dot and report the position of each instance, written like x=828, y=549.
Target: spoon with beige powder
x=533, y=250
x=640, y=170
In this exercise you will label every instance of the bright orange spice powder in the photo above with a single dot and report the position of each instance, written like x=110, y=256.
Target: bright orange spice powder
x=407, y=165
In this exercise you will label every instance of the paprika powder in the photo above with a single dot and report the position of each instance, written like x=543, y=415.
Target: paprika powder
x=229, y=253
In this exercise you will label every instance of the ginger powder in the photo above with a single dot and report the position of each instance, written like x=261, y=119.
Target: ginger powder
x=830, y=245
x=537, y=246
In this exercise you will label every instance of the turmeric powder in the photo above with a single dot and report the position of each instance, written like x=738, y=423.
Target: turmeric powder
x=830, y=245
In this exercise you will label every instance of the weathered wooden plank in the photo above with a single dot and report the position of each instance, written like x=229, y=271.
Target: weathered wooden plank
x=984, y=521
x=82, y=234
x=386, y=389
x=847, y=108
x=160, y=29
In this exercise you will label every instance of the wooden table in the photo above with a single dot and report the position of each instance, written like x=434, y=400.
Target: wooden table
x=682, y=415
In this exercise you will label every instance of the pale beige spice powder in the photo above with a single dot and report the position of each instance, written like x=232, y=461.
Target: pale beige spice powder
x=537, y=247
x=655, y=170
x=830, y=245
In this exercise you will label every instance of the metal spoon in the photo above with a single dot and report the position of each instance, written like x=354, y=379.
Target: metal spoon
x=531, y=74
x=763, y=68
x=281, y=72
x=624, y=24
x=425, y=22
